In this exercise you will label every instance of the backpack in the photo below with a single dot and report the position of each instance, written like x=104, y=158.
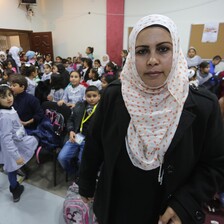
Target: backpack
x=75, y=211
x=57, y=120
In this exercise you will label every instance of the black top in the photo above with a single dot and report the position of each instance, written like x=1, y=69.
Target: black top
x=132, y=182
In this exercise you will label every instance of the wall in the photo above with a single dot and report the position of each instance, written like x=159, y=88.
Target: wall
x=74, y=29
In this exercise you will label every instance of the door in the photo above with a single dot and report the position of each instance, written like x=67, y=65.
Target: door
x=42, y=42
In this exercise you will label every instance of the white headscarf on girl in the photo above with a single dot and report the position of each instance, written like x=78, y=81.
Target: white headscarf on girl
x=154, y=112
x=105, y=60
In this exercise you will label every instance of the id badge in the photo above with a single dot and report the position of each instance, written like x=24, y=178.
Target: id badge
x=79, y=138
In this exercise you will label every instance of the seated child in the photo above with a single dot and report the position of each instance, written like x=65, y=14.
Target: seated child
x=16, y=147
x=74, y=92
x=107, y=78
x=27, y=106
x=77, y=125
x=30, y=72
x=94, y=79
x=57, y=91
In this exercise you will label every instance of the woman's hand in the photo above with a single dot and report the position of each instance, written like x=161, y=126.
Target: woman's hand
x=86, y=200
x=20, y=161
x=169, y=217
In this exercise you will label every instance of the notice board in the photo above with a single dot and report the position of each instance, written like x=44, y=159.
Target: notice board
x=207, y=50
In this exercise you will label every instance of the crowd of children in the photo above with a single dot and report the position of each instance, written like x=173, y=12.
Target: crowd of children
x=28, y=79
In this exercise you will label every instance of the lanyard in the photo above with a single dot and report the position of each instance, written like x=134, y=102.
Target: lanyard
x=83, y=118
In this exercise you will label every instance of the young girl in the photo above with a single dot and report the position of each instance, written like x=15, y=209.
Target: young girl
x=74, y=92
x=57, y=91
x=47, y=72
x=107, y=78
x=99, y=67
x=89, y=53
x=30, y=72
x=17, y=148
x=94, y=79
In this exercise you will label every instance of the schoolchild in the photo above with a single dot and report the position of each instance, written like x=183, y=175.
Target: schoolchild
x=89, y=53
x=77, y=127
x=27, y=106
x=57, y=91
x=99, y=67
x=107, y=78
x=204, y=77
x=16, y=147
x=47, y=72
x=30, y=72
x=192, y=58
x=94, y=79
x=74, y=92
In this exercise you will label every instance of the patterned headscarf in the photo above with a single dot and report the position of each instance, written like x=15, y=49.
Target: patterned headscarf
x=154, y=112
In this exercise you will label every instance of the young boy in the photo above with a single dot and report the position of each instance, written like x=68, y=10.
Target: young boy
x=77, y=126
x=27, y=106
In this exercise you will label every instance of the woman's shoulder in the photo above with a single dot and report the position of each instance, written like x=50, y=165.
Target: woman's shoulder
x=201, y=94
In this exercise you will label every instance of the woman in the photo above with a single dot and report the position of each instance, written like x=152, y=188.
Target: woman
x=192, y=58
x=158, y=142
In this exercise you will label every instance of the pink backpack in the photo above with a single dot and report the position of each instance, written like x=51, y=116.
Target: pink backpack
x=75, y=210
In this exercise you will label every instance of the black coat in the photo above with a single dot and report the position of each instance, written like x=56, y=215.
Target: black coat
x=193, y=164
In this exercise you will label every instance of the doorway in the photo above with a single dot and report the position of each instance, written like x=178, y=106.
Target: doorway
x=28, y=40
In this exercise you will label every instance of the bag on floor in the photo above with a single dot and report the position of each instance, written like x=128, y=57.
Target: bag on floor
x=75, y=211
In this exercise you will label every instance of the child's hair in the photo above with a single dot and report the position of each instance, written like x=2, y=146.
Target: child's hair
x=217, y=57
x=98, y=61
x=18, y=79
x=113, y=66
x=77, y=73
x=92, y=88
x=203, y=64
x=109, y=77
x=8, y=72
x=95, y=74
x=91, y=49
x=27, y=69
x=3, y=90
x=56, y=81
x=89, y=62
x=48, y=65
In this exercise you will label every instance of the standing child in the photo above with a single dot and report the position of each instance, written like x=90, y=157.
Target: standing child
x=57, y=91
x=94, y=79
x=74, y=92
x=77, y=127
x=17, y=148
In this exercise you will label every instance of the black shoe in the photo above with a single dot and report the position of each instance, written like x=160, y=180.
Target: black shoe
x=16, y=192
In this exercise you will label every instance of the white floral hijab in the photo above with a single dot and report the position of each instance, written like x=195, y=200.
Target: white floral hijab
x=155, y=113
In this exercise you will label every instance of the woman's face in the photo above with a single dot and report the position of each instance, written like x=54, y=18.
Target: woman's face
x=153, y=55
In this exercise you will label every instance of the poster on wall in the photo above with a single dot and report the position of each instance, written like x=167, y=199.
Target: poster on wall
x=210, y=32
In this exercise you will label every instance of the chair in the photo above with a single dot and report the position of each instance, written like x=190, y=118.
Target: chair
x=66, y=112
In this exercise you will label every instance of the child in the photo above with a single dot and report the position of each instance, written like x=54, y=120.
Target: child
x=94, y=79
x=57, y=91
x=8, y=65
x=17, y=148
x=73, y=92
x=30, y=72
x=6, y=75
x=124, y=54
x=47, y=72
x=27, y=106
x=89, y=53
x=99, y=67
x=107, y=78
x=203, y=75
x=77, y=127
